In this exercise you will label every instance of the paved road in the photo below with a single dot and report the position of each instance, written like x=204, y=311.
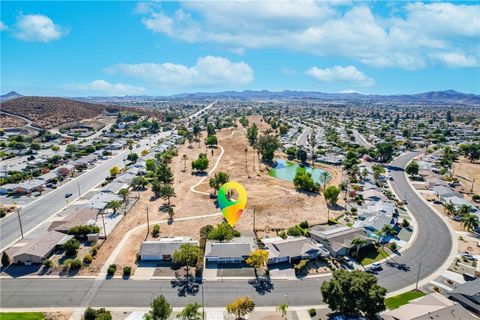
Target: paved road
x=121, y=293
x=302, y=139
x=431, y=247
x=360, y=139
x=38, y=211
x=434, y=241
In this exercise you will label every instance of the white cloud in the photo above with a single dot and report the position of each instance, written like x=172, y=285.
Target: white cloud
x=208, y=71
x=339, y=74
x=456, y=60
x=104, y=88
x=409, y=36
x=37, y=27
x=3, y=26
x=288, y=71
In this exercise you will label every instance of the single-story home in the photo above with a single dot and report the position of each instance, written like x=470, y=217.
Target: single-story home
x=40, y=248
x=337, y=239
x=163, y=248
x=443, y=192
x=468, y=295
x=235, y=251
x=293, y=249
x=432, y=306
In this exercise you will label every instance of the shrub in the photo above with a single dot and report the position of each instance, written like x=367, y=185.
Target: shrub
x=93, y=251
x=72, y=264
x=111, y=269
x=87, y=259
x=312, y=312
x=283, y=235
x=304, y=225
x=156, y=231
x=127, y=270
x=71, y=247
x=100, y=314
x=83, y=230
x=48, y=263
x=405, y=223
x=295, y=231
x=300, y=267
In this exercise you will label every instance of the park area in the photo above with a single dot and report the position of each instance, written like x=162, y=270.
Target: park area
x=277, y=204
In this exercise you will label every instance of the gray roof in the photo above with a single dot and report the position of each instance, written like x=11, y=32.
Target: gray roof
x=42, y=246
x=238, y=247
x=294, y=247
x=164, y=246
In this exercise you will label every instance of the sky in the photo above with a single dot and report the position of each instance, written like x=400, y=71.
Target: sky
x=107, y=48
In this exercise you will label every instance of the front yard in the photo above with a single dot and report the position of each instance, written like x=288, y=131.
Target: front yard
x=398, y=301
x=371, y=254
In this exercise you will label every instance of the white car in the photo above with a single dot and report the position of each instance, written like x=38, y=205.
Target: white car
x=376, y=266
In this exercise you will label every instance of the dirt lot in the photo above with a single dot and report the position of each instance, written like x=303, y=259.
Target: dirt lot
x=466, y=171
x=277, y=204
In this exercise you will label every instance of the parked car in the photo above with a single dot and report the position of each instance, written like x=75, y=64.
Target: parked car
x=68, y=195
x=348, y=261
x=468, y=256
x=376, y=266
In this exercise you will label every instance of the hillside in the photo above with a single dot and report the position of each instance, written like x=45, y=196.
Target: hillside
x=49, y=112
x=10, y=95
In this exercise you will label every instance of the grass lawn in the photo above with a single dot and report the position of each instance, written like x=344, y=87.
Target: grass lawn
x=401, y=299
x=22, y=316
x=370, y=254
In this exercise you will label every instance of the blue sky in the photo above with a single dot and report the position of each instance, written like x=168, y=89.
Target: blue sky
x=119, y=48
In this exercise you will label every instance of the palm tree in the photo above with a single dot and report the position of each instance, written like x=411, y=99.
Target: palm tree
x=282, y=308
x=470, y=222
x=359, y=242
x=464, y=210
x=449, y=208
x=380, y=234
x=388, y=229
x=324, y=177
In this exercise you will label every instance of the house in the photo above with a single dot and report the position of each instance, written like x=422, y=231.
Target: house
x=337, y=239
x=293, y=249
x=163, y=249
x=25, y=187
x=443, y=192
x=100, y=200
x=48, y=177
x=114, y=187
x=432, y=306
x=75, y=216
x=235, y=251
x=373, y=195
x=468, y=295
x=459, y=202
x=40, y=248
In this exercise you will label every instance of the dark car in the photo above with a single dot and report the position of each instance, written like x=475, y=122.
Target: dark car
x=68, y=195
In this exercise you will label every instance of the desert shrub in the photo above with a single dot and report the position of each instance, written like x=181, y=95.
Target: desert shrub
x=87, y=259
x=156, y=231
x=111, y=269
x=312, y=312
x=127, y=270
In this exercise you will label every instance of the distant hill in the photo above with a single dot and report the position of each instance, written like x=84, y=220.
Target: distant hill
x=435, y=97
x=49, y=112
x=10, y=95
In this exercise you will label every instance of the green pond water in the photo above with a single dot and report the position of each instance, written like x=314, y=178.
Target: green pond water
x=286, y=170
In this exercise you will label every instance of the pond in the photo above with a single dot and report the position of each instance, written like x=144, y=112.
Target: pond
x=287, y=170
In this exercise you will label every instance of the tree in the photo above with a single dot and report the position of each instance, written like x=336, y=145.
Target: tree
x=377, y=171
x=412, y=168
x=282, y=308
x=114, y=205
x=114, y=171
x=470, y=222
x=211, y=140
x=190, y=312
x=201, y=164
x=151, y=165
x=389, y=230
x=243, y=121
x=222, y=232
x=241, y=307
x=449, y=207
x=358, y=243
x=138, y=182
x=449, y=116
x=257, y=259
x=385, y=151
x=71, y=246
x=352, y=293
x=464, y=209
x=186, y=255
x=267, y=145
x=218, y=180
x=302, y=155
x=166, y=192
x=252, y=134
x=471, y=151
x=55, y=148
x=145, y=152
x=304, y=181
x=164, y=174
x=160, y=309
x=124, y=193
x=5, y=259
x=331, y=195
x=210, y=129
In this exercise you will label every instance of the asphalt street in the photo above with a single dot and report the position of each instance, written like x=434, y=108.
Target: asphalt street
x=431, y=248
x=361, y=140
x=37, y=212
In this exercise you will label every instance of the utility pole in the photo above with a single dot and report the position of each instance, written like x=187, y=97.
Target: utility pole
x=148, y=222
x=418, y=275
x=473, y=183
x=20, y=222
x=203, y=302
x=246, y=160
x=103, y=222
x=253, y=219
x=79, y=193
